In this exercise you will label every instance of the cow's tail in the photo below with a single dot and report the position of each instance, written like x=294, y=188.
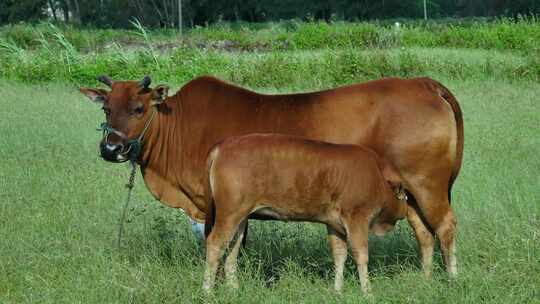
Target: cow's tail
x=211, y=205
x=458, y=115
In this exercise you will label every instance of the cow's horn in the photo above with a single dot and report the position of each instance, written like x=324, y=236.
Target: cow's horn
x=145, y=82
x=106, y=80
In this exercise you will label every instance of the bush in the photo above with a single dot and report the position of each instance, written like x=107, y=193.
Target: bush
x=289, y=54
x=520, y=34
x=328, y=67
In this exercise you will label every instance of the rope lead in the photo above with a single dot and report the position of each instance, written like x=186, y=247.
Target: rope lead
x=129, y=185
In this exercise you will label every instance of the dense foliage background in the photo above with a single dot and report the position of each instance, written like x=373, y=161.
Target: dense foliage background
x=164, y=13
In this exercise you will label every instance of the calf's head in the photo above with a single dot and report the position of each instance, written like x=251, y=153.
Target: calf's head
x=128, y=108
x=395, y=209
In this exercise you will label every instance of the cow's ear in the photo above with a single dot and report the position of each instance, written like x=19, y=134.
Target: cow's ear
x=95, y=95
x=159, y=94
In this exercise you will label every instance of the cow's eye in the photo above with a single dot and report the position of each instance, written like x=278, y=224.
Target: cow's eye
x=107, y=111
x=139, y=110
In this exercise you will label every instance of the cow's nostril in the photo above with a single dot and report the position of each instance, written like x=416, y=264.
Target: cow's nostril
x=113, y=148
x=110, y=147
x=111, y=152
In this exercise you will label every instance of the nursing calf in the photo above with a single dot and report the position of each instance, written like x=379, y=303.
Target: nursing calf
x=347, y=187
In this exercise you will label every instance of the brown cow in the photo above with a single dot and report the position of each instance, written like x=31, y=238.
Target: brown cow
x=416, y=124
x=291, y=178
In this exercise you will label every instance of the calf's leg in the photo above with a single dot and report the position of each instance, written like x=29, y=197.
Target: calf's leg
x=216, y=243
x=338, y=245
x=424, y=238
x=358, y=230
x=231, y=260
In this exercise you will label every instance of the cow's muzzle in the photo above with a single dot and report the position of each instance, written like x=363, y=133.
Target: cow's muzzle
x=119, y=152
x=128, y=149
x=116, y=153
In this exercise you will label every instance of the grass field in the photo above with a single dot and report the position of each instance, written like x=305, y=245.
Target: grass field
x=60, y=206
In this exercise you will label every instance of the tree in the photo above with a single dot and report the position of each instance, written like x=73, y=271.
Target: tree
x=12, y=11
x=164, y=13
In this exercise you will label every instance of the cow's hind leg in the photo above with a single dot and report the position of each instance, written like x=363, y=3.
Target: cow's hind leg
x=338, y=245
x=216, y=243
x=435, y=209
x=231, y=261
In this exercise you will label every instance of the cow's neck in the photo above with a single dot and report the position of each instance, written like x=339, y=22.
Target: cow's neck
x=162, y=141
x=161, y=161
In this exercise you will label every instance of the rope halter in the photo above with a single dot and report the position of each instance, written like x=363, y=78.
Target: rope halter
x=134, y=146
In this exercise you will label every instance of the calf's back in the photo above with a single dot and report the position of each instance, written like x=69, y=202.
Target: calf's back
x=291, y=178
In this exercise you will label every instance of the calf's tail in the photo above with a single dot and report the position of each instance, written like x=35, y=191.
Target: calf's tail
x=210, y=219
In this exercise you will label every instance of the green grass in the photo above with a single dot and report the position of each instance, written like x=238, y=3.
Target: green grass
x=60, y=206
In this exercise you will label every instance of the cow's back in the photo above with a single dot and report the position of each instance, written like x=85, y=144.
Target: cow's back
x=384, y=115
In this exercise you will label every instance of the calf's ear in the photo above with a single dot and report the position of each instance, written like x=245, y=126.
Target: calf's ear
x=159, y=94
x=95, y=95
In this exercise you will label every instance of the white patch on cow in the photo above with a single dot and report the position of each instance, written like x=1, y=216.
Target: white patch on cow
x=198, y=229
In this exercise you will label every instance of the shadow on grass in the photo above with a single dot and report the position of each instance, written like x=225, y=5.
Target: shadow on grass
x=272, y=248
x=163, y=235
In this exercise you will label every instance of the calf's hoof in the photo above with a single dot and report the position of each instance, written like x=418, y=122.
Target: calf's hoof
x=207, y=288
x=366, y=290
x=233, y=283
